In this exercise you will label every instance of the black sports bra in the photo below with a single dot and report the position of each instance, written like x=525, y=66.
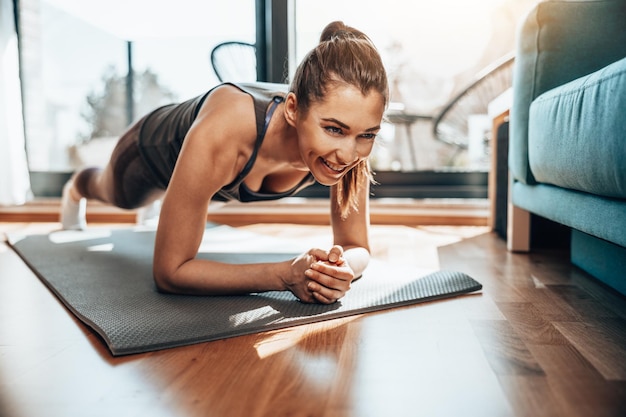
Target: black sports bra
x=238, y=190
x=163, y=131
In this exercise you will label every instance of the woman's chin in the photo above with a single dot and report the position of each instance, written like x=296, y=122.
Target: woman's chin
x=326, y=181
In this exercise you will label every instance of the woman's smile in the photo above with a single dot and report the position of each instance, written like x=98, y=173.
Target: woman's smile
x=334, y=167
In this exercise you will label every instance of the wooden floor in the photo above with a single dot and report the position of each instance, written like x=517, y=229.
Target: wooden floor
x=542, y=339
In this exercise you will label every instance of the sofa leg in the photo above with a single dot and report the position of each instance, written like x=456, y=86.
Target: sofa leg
x=518, y=229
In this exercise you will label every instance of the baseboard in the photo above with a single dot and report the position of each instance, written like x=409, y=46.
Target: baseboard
x=470, y=212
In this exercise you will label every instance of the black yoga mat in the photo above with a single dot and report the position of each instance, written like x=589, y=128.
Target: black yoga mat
x=105, y=278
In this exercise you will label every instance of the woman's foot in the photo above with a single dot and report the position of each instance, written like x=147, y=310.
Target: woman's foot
x=73, y=209
x=149, y=215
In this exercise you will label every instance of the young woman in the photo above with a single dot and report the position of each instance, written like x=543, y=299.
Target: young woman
x=254, y=142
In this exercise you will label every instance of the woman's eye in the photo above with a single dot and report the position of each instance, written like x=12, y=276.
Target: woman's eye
x=333, y=129
x=369, y=136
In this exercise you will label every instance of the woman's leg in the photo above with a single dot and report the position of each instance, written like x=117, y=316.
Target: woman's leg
x=125, y=182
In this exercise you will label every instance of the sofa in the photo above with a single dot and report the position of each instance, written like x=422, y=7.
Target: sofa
x=567, y=149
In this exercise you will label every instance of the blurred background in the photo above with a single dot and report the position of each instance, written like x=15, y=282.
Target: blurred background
x=89, y=69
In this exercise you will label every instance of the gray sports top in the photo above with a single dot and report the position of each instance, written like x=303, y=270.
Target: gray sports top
x=163, y=131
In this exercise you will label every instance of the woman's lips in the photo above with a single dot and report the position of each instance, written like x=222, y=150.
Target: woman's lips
x=336, y=168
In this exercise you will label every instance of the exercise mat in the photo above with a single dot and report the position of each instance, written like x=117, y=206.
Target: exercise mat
x=105, y=278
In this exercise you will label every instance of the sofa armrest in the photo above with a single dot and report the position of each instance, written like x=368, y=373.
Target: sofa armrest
x=558, y=42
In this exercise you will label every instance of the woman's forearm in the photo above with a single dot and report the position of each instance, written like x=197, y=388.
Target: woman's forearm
x=204, y=277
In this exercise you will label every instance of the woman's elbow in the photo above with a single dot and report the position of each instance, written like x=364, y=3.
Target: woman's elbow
x=164, y=281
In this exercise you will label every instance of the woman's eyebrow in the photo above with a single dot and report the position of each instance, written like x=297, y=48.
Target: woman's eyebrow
x=333, y=120
x=345, y=126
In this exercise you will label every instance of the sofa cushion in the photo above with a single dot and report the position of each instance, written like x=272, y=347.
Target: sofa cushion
x=559, y=41
x=577, y=133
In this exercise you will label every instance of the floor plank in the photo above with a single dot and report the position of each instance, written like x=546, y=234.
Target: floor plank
x=530, y=325
x=602, y=342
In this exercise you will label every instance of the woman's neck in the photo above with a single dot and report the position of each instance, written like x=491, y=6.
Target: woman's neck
x=281, y=145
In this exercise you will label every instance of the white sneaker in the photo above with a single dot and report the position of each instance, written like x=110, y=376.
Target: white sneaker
x=73, y=213
x=149, y=215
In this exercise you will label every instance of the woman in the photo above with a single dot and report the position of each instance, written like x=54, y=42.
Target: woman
x=250, y=142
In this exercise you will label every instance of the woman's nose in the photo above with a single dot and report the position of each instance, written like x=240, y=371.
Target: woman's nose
x=347, y=154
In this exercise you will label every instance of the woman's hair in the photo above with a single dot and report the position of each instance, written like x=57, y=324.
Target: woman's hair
x=343, y=55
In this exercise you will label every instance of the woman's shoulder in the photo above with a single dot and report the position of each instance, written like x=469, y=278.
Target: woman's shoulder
x=226, y=120
x=226, y=105
x=224, y=131
x=227, y=97
x=233, y=105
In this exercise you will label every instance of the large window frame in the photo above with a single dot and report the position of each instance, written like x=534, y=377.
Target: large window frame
x=275, y=39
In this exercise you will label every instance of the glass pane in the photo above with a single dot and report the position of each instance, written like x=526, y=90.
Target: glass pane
x=433, y=51
x=76, y=58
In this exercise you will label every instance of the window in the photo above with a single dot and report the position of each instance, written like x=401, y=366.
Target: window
x=432, y=51
x=76, y=57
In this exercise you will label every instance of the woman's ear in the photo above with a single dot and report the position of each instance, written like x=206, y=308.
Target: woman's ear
x=291, y=109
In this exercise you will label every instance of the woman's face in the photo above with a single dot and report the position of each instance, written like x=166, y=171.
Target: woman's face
x=337, y=133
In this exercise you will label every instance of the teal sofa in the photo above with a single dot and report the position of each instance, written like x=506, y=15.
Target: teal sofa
x=567, y=149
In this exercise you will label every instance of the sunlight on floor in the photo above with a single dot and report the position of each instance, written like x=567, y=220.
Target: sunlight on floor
x=281, y=340
x=406, y=245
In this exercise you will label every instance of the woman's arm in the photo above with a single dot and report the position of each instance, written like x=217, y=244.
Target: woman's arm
x=332, y=278
x=352, y=233
x=214, y=152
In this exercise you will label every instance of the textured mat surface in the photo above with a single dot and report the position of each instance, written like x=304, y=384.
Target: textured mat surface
x=105, y=278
